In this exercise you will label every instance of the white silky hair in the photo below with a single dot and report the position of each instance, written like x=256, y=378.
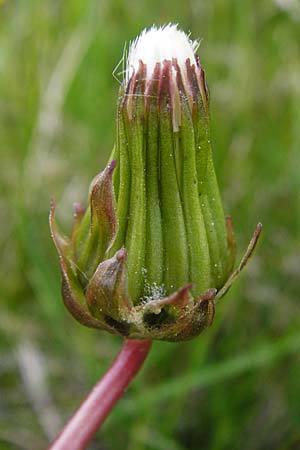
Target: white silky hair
x=156, y=44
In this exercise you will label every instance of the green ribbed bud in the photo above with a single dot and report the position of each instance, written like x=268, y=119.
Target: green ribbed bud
x=153, y=252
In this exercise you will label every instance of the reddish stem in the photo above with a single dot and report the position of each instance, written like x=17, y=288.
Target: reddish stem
x=91, y=414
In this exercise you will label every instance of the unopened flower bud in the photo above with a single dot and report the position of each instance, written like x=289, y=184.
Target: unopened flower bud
x=153, y=252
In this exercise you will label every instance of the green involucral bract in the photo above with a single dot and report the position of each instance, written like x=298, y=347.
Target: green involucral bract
x=153, y=251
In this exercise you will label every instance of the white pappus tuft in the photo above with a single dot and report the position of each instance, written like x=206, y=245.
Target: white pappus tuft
x=157, y=44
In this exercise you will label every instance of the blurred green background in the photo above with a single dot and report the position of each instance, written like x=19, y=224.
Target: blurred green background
x=237, y=385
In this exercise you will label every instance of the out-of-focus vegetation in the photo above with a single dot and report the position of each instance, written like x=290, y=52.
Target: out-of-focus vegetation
x=236, y=386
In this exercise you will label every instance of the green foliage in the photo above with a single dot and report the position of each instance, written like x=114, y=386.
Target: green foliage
x=235, y=387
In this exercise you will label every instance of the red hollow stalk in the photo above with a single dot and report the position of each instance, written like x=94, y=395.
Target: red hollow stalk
x=83, y=425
